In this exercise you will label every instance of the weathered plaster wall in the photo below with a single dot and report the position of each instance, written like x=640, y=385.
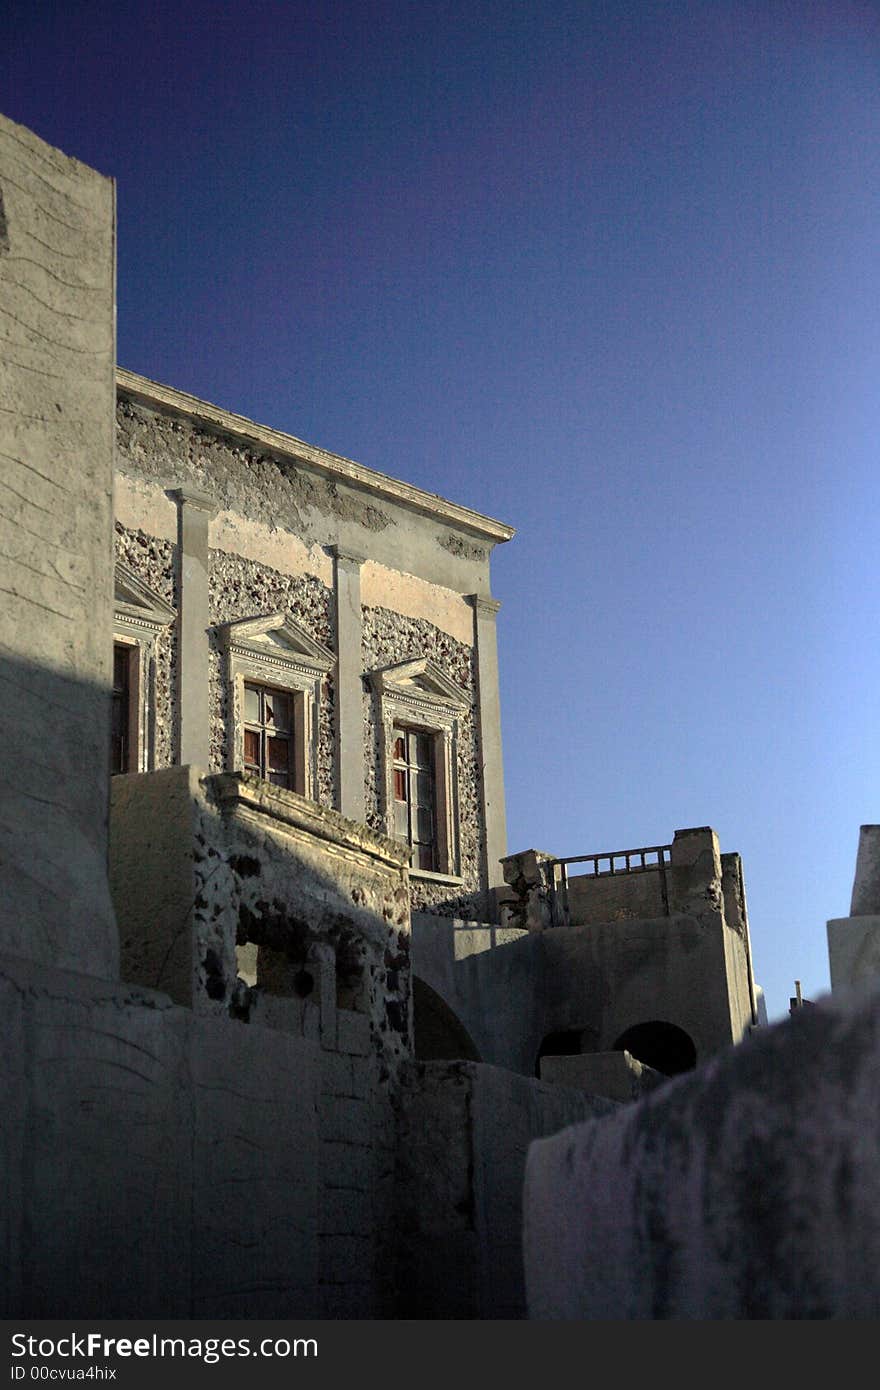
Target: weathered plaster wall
x=288, y=494
x=134, y=1172
x=748, y=1189
x=412, y=597
x=389, y=638
x=600, y=979
x=200, y=867
x=615, y=897
x=57, y=350
x=463, y=1136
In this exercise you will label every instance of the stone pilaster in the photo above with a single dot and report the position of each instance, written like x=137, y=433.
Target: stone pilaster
x=194, y=512
x=349, y=685
x=491, y=759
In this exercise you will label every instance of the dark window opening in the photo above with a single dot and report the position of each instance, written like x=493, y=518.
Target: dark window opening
x=268, y=734
x=413, y=774
x=120, y=715
x=663, y=1046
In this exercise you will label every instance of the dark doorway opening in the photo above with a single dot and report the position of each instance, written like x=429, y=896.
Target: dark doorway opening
x=663, y=1046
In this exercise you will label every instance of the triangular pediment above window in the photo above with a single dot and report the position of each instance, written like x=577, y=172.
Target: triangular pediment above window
x=420, y=677
x=134, y=599
x=274, y=635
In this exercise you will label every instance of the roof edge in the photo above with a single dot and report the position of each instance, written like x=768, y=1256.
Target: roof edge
x=333, y=465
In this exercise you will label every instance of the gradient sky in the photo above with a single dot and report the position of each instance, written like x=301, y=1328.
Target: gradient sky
x=607, y=271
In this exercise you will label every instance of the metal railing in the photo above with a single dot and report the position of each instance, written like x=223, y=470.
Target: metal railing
x=621, y=861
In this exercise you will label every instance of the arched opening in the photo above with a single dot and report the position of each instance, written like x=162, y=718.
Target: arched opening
x=439, y=1034
x=566, y=1043
x=663, y=1046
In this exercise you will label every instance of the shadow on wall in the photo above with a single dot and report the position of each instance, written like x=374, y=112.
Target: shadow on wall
x=55, y=908
x=439, y=1035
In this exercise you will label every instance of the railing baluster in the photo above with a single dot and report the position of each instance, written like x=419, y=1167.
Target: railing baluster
x=561, y=902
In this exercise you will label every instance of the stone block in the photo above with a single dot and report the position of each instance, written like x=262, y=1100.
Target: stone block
x=346, y=1259
x=352, y=1033
x=255, y=1199
x=107, y=1170
x=616, y=1075
x=345, y=1212
x=346, y=1165
x=854, y=951
x=344, y=1119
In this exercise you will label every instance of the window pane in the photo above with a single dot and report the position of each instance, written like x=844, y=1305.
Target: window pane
x=120, y=667
x=277, y=709
x=423, y=857
x=278, y=753
x=120, y=711
x=399, y=784
x=424, y=826
x=252, y=704
x=421, y=752
x=252, y=748
x=401, y=820
x=400, y=748
x=422, y=789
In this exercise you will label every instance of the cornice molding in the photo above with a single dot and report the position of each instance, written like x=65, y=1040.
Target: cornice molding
x=484, y=607
x=335, y=466
x=419, y=681
x=136, y=601
x=192, y=497
x=348, y=559
x=242, y=637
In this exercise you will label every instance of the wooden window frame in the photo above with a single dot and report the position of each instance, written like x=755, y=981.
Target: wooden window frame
x=418, y=696
x=295, y=773
x=406, y=770
x=131, y=702
x=140, y=617
x=273, y=652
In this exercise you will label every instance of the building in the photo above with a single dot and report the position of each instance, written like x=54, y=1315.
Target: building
x=297, y=1043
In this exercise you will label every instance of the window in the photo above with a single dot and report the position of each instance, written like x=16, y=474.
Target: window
x=141, y=620
x=275, y=675
x=268, y=734
x=121, y=715
x=414, y=795
x=419, y=713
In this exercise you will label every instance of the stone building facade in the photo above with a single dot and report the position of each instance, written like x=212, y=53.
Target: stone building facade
x=263, y=563
x=216, y=1047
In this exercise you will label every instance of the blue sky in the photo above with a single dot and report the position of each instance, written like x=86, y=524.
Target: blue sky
x=607, y=271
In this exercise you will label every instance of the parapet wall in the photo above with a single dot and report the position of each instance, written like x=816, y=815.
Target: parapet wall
x=749, y=1189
